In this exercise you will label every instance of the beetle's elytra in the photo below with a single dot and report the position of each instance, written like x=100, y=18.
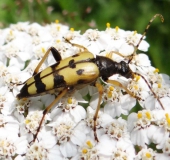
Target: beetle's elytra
x=82, y=68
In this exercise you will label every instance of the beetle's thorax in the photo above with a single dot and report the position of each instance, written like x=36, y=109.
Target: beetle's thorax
x=108, y=67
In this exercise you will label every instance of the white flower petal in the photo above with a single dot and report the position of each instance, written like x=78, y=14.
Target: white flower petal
x=68, y=149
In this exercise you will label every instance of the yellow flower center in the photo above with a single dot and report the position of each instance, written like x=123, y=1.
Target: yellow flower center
x=43, y=50
x=111, y=88
x=148, y=155
x=137, y=78
x=56, y=21
x=27, y=121
x=72, y=29
x=109, y=94
x=69, y=100
x=156, y=70
x=135, y=87
x=108, y=25
x=84, y=151
x=167, y=118
x=116, y=28
x=90, y=145
x=148, y=115
x=159, y=85
x=58, y=41
x=134, y=33
x=139, y=115
x=11, y=33
x=58, y=28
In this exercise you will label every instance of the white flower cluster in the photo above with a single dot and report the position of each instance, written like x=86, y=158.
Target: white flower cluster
x=67, y=131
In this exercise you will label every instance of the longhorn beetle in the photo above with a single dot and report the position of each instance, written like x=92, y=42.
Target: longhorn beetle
x=77, y=71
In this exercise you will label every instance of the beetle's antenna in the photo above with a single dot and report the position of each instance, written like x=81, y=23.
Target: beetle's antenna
x=150, y=89
x=145, y=31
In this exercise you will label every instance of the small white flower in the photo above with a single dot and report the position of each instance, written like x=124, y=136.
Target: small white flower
x=117, y=129
x=40, y=50
x=87, y=150
x=115, y=33
x=33, y=29
x=66, y=133
x=3, y=70
x=166, y=148
x=9, y=124
x=101, y=121
x=133, y=38
x=111, y=149
x=37, y=151
x=90, y=118
x=20, y=26
x=95, y=41
x=57, y=30
x=11, y=145
x=160, y=132
x=22, y=105
x=32, y=121
x=71, y=34
x=6, y=103
x=146, y=153
x=10, y=35
x=139, y=125
x=69, y=105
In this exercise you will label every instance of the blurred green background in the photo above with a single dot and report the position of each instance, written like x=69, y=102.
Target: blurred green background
x=84, y=14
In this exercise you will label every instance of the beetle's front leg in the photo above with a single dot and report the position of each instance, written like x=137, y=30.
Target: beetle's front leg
x=76, y=45
x=116, y=83
x=110, y=55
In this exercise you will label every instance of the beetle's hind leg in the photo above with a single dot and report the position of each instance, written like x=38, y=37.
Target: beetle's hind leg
x=59, y=96
x=100, y=90
x=55, y=54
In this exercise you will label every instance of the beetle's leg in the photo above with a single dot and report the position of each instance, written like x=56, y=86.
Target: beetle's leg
x=100, y=90
x=116, y=83
x=109, y=55
x=59, y=96
x=151, y=90
x=55, y=54
x=76, y=45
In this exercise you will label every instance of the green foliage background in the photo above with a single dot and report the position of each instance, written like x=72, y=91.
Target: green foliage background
x=84, y=14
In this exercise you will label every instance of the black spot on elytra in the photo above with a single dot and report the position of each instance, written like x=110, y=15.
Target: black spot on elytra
x=80, y=71
x=59, y=81
x=72, y=64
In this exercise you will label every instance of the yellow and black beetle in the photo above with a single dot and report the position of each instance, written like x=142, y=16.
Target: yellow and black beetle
x=75, y=72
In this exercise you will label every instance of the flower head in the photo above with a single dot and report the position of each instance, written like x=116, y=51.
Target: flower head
x=71, y=127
